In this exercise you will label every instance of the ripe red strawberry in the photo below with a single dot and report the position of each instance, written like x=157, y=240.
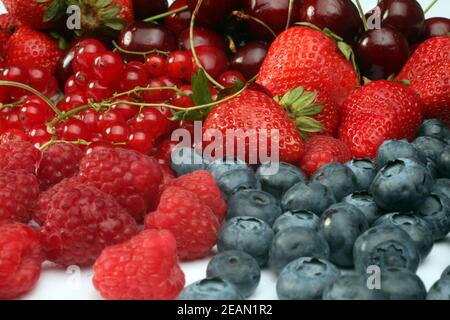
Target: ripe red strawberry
x=143, y=268
x=376, y=112
x=9, y=23
x=28, y=48
x=34, y=13
x=19, y=155
x=321, y=150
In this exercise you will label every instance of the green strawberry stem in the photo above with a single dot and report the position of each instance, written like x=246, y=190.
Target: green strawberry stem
x=244, y=16
x=431, y=5
x=166, y=14
x=362, y=14
x=143, y=53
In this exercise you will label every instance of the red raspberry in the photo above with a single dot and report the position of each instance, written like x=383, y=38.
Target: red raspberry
x=20, y=260
x=19, y=192
x=80, y=222
x=131, y=177
x=59, y=161
x=204, y=186
x=143, y=268
x=193, y=224
x=19, y=155
x=321, y=150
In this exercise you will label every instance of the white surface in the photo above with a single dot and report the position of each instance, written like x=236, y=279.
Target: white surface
x=57, y=283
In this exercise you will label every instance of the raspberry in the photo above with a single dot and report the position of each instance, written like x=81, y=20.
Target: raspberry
x=202, y=183
x=143, y=268
x=20, y=260
x=193, y=224
x=19, y=155
x=80, y=221
x=59, y=161
x=131, y=177
x=19, y=192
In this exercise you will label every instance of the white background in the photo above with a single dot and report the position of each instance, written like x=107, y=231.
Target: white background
x=57, y=283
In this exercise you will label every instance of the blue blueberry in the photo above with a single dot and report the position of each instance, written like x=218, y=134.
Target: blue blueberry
x=220, y=166
x=440, y=290
x=247, y=234
x=443, y=163
x=305, y=279
x=434, y=128
x=442, y=186
x=352, y=287
x=313, y=197
x=254, y=203
x=294, y=243
x=210, y=289
x=430, y=146
x=446, y=272
x=401, y=185
x=299, y=218
x=364, y=202
x=341, y=224
x=417, y=228
x=186, y=160
x=394, y=149
x=402, y=284
x=385, y=247
x=339, y=178
x=281, y=181
x=432, y=169
x=238, y=268
x=237, y=179
x=436, y=211
x=364, y=170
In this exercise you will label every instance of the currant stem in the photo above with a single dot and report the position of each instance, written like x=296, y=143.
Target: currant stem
x=142, y=53
x=431, y=5
x=55, y=141
x=244, y=16
x=166, y=14
x=363, y=16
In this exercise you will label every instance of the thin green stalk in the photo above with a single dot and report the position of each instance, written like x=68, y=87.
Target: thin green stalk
x=362, y=14
x=431, y=5
x=142, y=53
x=166, y=14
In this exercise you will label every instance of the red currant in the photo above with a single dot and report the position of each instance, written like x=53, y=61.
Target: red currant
x=17, y=74
x=88, y=50
x=108, y=67
x=117, y=133
x=39, y=136
x=33, y=112
x=156, y=65
x=71, y=85
x=109, y=118
x=155, y=96
x=164, y=150
x=90, y=119
x=151, y=121
x=13, y=135
x=81, y=79
x=179, y=65
x=38, y=78
x=133, y=77
x=184, y=101
x=74, y=130
x=127, y=111
x=12, y=120
x=98, y=92
x=140, y=141
x=97, y=145
x=71, y=101
x=229, y=78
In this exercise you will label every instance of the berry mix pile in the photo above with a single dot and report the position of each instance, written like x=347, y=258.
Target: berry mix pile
x=90, y=175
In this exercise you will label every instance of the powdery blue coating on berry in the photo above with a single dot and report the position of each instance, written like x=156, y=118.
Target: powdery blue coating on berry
x=364, y=171
x=238, y=179
x=430, y=146
x=220, y=166
x=299, y=218
x=443, y=163
x=440, y=290
x=364, y=202
x=434, y=128
x=186, y=160
x=436, y=211
x=351, y=287
x=402, y=284
x=210, y=289
x=391, y=150
x=339, y=178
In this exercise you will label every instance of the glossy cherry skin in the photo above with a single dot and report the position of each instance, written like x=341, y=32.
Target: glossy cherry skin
x=229, y=78
x=212, y=59
x=435, y=27
x=145, y=8
x=177, y=22
x=64, y=68
x=340, y=16
x=274, y=13
x=202, y=37
x=381, y=52
x=214, y=13
x=249, y=58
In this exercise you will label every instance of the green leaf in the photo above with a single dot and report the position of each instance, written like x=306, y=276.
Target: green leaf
x=307, y=124
x=291, y=96
x=115, y=24
x=109, y=13
x=201, y=93
x=228, y=91
x=103, y=3
x=312, y=110
x=55, y=11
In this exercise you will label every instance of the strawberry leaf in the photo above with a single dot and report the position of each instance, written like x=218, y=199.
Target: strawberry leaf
x=103, y=3
x=201, y=93
x=228, y=91
x=115, y=24
x=55, y=11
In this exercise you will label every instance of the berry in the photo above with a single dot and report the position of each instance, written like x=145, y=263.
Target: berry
x=213, y=60
x=436, y=211
x=133, y=77
x=210, y=289
x=351, y=287
x=117, y=133
x=364, y=202
x=97, y=91
x=435, y=27
x=87, y=51
x=248, y=59
x=179, y=65
x=151, y=121
x=430, y=146
x=108, y=67
x=442, y=186
x=142, y=268
x=109, y=118
x=213, y=14
x=74, y=130
x=440, y=290
x=338, y=178
x=402, y=284
x=391, y=150
x=127, y=110
x=229, y=78
x=443, y=163
x=140, y=141
x=434, y=128
x=177, y=22
x=33, y=112
x=221, y=166
x=185, y=160
x=202, y=37
x=156, y=65
x=39, y=78
x=19, y=155
x=13, y=135
x=299, y=218
x=235, y=180
x=364, y=171
x=145, y=9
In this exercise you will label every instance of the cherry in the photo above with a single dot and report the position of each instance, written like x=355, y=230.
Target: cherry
x=249, y=58
x=72, y=100
x=340, y=16
x=97, y=91
x=156, y=65
x=179, y=65
x=381, y=52
x=435, y=27
x=152, y=121
x=145, y=9
x=212, y=59
x=140, y=141
x=202, y=37
x=127, y=111
x=13, y=135
x=274, y=13
x=74, y=130
x=229, y=78
x=116, y=132
x=38, y=78
x=109, y=118
x=133, y=77
x=213, y=13
x=90, y=120
x=39, y=136
x=108, y=67
x=177, y=22
x=86, y=53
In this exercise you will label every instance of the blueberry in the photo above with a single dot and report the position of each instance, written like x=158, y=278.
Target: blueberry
x=432, y=169
x=299, y=218
x=186, y=160
x=341, y=224
x=385, y=247
x=235, y=180
x=238, y=268
x=436, y=211
x=294, y=243
x=254, y=203
x=442, y=186
x=446, y=272
x=220, y=166
x=401, y=185
x=443, y=163
x=434, y=128
x=247, y=234
x=402, y=284
x=210, y=289
x=364, y=202
x=364, y=170
x=394, y=149
x=278, y=183
x=339, y=178
x=440, y=290
x=417, y=228
x=305, y=279
x=352, y=287
x=430, y=146
x=313, y=197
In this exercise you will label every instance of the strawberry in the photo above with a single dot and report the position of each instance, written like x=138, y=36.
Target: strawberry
x=379, y=111
x=8, y=23
x=35, y=13
x=27, y=48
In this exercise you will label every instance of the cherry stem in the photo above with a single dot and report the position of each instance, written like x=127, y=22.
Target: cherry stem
x=291, y=6
x=166, y=14
x=32, y=90
x=142, y=53
x=363, y=16
x=431, y=5
x=245, y=16
x=191, y=41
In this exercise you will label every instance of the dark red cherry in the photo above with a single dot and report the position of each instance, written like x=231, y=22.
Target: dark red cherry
x=64, y=68
x=274, y=13
x=435, y=27
x=214, y=13
x=202, y=37
x=177, y=22
x=229, y=78
x=249, y=58
x=340, y=16
x=213, y=60
x=145, y=8
x=381, y=52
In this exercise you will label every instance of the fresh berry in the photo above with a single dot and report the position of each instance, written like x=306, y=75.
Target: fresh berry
x=299, y=218
x=213, y=60
x=202, y=37
x=351, y=287
x=402, y=284
x=440, y=290
x=221, y=166
x=185, y=160
x=213, y=14
x=434, y=128
x=436, y=211
x=19, y=155
x=145, y=9
x=177, y=22
x=430, y=147
x=229, y=78
x=443, y=163
x=391, y=150
x=364, y=171
x=211, y=289
x=31, y=13
x=236, y=180
x=365, y=202
x=156, y=65
x=435, y=27
x=248, y=59
x=338, y=178
x=108, y=67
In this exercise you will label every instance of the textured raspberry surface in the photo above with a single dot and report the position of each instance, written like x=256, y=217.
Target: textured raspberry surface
x=19, y=155
x=143, y=268
x=193, y=224
x=80, y=221
x=132, y=178
x=59, y=161
x=20, y=260
x=202, y=183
